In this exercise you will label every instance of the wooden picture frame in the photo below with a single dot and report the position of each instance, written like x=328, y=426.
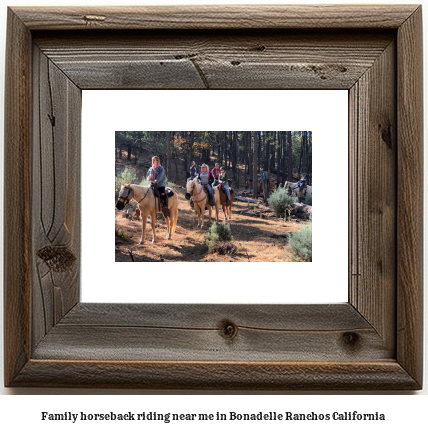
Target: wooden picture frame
x=372, y=342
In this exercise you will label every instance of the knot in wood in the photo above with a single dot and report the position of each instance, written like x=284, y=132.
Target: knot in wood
x=351, y=340
x=227, y=329
x=58, y=259
x=94, y=18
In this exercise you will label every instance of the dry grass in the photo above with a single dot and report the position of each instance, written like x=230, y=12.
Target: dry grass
x=252, y=232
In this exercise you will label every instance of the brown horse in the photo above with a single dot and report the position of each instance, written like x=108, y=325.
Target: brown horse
x=227, y=209
x=201, y=200
x=147, y=205
x=271, y=185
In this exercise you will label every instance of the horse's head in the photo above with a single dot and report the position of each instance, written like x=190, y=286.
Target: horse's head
x=126, y=193
x=189, y=187
x=191, y=183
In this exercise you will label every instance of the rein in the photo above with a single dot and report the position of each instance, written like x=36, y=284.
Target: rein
x=127, y=197
x=197, y=194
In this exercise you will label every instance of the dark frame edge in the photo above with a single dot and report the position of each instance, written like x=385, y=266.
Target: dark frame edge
x=17, y=223
x=410, y=224
x=386, y=375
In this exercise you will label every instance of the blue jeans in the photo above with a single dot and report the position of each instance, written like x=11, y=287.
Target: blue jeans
x=226, y=186
x=210, y=189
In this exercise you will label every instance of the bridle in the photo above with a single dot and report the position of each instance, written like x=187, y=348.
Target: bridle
x=125, y=199
x=199, y=192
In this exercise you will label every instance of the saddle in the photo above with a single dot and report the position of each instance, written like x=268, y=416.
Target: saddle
x=223, y=188
x=162, y=208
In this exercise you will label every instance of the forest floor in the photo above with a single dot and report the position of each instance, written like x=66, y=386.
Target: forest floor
x=254, y=234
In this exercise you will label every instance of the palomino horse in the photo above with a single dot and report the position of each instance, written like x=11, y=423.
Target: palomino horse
x=227, y=209
x=293, y=188
x=201, y=200
x=147, y=204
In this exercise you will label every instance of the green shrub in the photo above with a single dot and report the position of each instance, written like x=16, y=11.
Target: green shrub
x=308, y=199
x=218, y=234
x=281, y=202
x=301, y=244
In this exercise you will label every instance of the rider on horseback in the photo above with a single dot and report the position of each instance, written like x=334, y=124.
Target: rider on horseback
x=156, y=176
x=222, y=179
x=216, y=172
x=193, y=170
x=207, y=180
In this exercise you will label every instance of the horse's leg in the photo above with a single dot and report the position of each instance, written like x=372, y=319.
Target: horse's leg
x=174, y=218
x=143, y=227
x=210, y=210
x=217, y=204
x=168, y=227
x=198, y=213
x=153, y=219
x=203, y=213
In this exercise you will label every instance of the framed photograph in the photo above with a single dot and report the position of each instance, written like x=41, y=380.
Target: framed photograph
x=371, y=341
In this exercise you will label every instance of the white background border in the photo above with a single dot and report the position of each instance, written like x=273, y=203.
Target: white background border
x=325, y=113
x=406, y=411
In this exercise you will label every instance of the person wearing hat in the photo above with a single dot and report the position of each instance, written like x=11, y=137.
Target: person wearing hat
x=222, y=179
x=193, y=170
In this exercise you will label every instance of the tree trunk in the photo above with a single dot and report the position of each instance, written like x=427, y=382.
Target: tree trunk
x=235, y=158
x=289, y=157
x=272, y=156
x=250, y=154
x=225, y=148
x=267, y=152
x=255, y=162
x=168, y=155
x=176, y=168
x=245, y=199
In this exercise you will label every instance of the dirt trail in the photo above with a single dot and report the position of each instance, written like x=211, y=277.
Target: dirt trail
x=253, y=234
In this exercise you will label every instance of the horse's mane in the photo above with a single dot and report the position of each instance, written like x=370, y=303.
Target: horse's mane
x=139, y=187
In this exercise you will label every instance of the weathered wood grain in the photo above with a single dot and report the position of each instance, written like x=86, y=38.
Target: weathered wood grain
x=373, y=163
x=217, y=17
x=56, y=202
x=199, y=332
x=17, y=199
x=410, y=205
x=216, y=60
x=372, y=342
x=210, y=316
x=386, y=375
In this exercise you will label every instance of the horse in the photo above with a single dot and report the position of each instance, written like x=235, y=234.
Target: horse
x=271, y=185
x=227, y=209
x=147, y=204
x=249, y=184
x=293, y=188
x=201, y=200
